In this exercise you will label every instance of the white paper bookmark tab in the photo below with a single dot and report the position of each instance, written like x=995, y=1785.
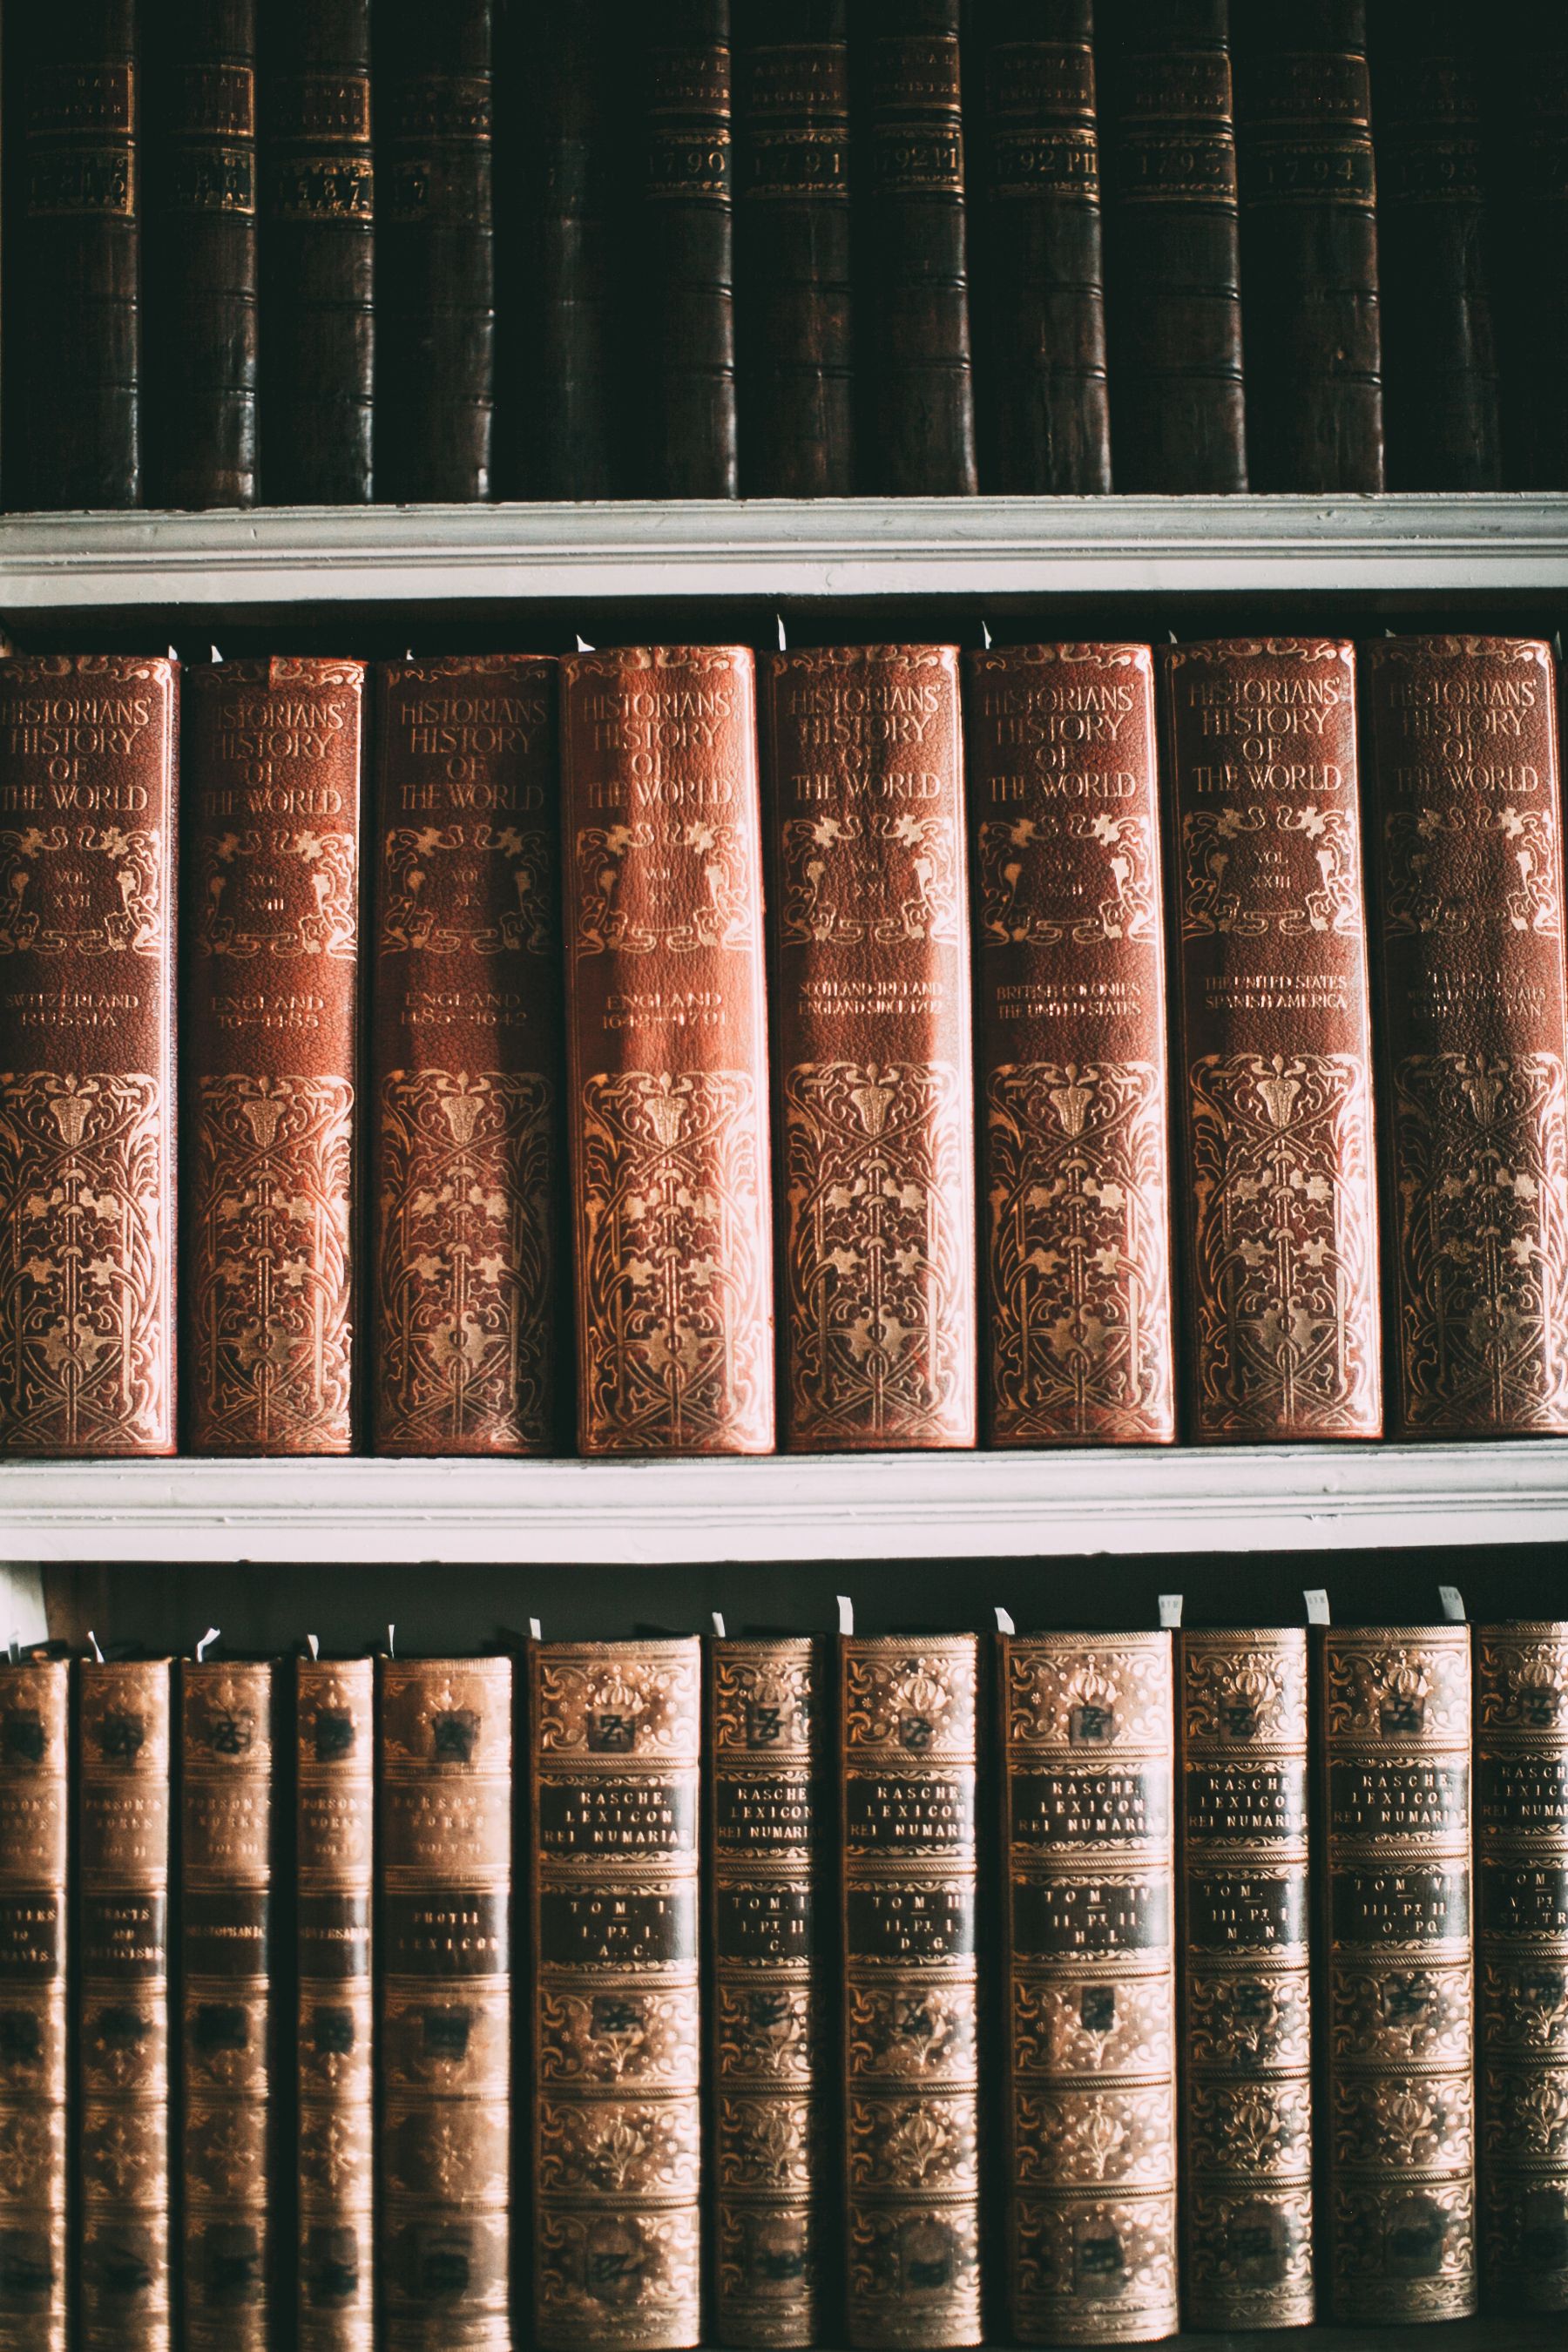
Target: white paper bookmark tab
x=205, y=1644
x=97, y=1651
x=1005, y=1621
x=1453, y=1601
x=1170, y=1609
x=845, y=1614
x=313, y=1645
x=1317, y=1601
x=535, y=1629
x=718, y=1622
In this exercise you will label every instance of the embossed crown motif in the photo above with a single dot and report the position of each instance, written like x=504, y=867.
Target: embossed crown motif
x=918, y=1697
x=1247, y=1698
x=1535, y=1689
x=1400, y=1688
x=1072, y=1101
x=1091, y=1707
x=231, y=1720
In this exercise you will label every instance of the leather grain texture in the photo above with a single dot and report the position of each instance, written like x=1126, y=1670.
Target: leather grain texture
x=35, y=1751
x=686, y=395
x=1528, y=159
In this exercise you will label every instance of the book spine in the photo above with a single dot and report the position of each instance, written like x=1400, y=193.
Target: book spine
x=444, y=1931
x=1528, y=180
x=769, y=2014
x=435, y=263
x=1522, y=1961
x=1072, y=1113
x=913, y=262
x=1173, y=235
x=79, y=261
x=910, y=2034
x=688, y=230
x=793, y=248
x=202, y=282
x=1467, y=834
x=1247, y=2010
x=272, y=939
x=615, y=1743
x=667, y=1052
x=318, y=252
x=1309, y=230
x=124, y=1744
x=334, y=1825
x=35, y=1737
x=873, y=1077
x=1274, y=1079
x=467, y=1018
x=1398, y=2229
x=227, y=1929
x=87, y=1113
x=1042, y=300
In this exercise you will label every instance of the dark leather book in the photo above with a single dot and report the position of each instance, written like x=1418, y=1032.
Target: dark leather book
x=88, y=748
x=203, y=310
x=1528, y=193
x=34, y=1749
x=434, y=261
x=1440, y=381
x=121, y=2013
x=1309, y=247
x=1465, y=795
x=318, y=253
x=911, y=261
x=268, y=1141
x=685, y=399
x=1071, y=1118
x=1277, y=1205
x=1171, y=238
x=1044, y=419
x=1246, y=1981
x=666, y=1050
x=74, y=312
x=444, y=2121
x=872, y=1072
x=1397, y=2227
x=793, y=258
x=468, y=1140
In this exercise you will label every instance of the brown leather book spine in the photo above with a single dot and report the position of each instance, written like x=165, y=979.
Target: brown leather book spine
x=1309, y=247
x=1173, y=235
x=1273, y=1078
x=318, y=252
x=1522, y=1961
x=272, y=936
x=122, y=2015
x=1247, y=2010
x=793, y=248
x=768, y=2021
x=909, y=1856
x=35, y=1740
x=228, y=2022
x=687, y=390
x=912, y=257
x=667, y=1052
x=435, y=263
x=202, y=308
x=1071, y=1113
x=615, y=1735
x=1465, y=794
x=444, y=2121
x=467, y=1144
x=88, y=746
x=872, y=1068
x=334, y=1827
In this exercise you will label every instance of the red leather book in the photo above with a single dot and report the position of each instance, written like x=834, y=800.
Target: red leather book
x=35, y=1953
x=687, y=361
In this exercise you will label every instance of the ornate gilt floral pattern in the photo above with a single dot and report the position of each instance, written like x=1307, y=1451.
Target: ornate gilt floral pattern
x=1067, y=1696
x=700, y=902
x=621, y=2278
x=475, y=922
x=230, y=916
x=38, y=916
x=1391, y=1685
x=1417, y=895
x=619, y=1702
x=870, y=877
x=1095, y=2020
x=1076, y=2264
x=619, y=2148
x=914, y=2274
x=1244, y=1698
x=642, y=2035
x=1211, y=902
x=922, y=1701
x=1012, y=900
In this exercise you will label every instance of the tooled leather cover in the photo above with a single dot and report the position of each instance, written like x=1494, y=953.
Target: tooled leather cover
x=667, y=1051
x=1246, y=1981
x=1044, y=421
x=88, y=748
x=1071, y=1118
x=615, y=1735
x=1309, y=247
x=1273, y=1078
x=228, y=2022
x=912, y=333
x=34, y=2272
x=271, y=924
x=121, y=2015
x=769, y=1999
x=444, y=2120
x=685, y=396
x=335, y=1823
x=1527, y=168
x=1396, y=2232
x=1464, y=790
x=318, y=252
x=1172, y=235
x=1522, y=1961
x=909, y=1856
x=466, y=1007
x=872, y=1065
x=793, y=248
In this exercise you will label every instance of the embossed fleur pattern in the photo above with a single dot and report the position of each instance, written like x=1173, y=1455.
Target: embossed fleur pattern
x=913, y=2273
x=1377, y=1689
x=231, y=917
x=1056, y=2031
x=1409, y=2253
x=1211, y=900
x=443, y=922
x=776, y=2040
x=618, y=2148
x=656, y=1703
x=1415, y=2016
x=1521, y=1683
x=922, y=1700
x=645, y=2267
x=1419, y=859
x=1242, y=1696
x=1013, y=893
x=870, y=877
x=38, y=916
x=1257, y=2021
x=1125, y=1688
x=686, y=891
x=1249, y=2126
x=1125, y=2250
x=767, y=1685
